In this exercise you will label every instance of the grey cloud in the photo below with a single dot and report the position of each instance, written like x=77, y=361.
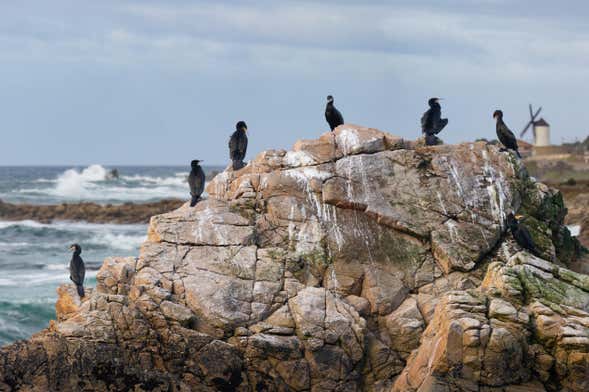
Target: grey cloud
x=211, y=63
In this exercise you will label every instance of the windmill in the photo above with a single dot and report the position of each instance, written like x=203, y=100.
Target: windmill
x=540, y=128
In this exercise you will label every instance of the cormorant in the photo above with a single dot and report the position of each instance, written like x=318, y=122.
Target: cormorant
x=238, y=145
x=196, y=181
x=77, y=269
x=506, y=137
x=521, y=234
x=432, y=122
x=332, y=115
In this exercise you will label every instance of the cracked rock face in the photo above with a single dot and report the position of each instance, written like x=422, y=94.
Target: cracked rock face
x=357, y=261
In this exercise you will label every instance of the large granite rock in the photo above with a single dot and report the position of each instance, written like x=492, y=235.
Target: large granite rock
x=357, y=261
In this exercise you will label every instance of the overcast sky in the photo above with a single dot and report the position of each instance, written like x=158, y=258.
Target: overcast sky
x=163, y=82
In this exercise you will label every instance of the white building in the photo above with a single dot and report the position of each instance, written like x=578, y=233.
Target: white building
x=541, y=133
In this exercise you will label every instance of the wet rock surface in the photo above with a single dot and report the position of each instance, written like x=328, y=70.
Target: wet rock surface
x=357, y=261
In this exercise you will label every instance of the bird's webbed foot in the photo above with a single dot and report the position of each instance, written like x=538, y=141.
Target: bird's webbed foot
x=194, y=200
x=432, y=140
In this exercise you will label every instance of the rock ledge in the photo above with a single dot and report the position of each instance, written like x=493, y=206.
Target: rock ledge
x=357, y=261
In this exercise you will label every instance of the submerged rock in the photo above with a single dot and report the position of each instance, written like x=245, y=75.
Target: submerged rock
x=357, y=261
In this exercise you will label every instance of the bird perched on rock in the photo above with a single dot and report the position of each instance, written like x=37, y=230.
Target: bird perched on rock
x=332, y=115
x=432, y=122
x=521, y=235
x=506, y=137
x=77, y=269
x=238, y=145
x=196, y=181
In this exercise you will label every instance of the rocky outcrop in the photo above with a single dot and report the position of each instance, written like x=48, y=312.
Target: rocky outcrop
x=528, y=321
x=357, y=261
x=87, y=212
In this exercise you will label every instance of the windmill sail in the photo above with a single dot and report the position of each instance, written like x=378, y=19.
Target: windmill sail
x=532, y=119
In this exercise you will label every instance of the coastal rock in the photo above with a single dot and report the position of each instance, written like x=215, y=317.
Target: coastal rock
x=482, y=337
x=87, y=212
x=357, y=261
x=68, y=301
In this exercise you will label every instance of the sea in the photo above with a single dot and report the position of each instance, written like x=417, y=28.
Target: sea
x=34, y=256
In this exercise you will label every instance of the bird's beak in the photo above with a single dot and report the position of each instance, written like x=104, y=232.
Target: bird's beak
x=518, y=217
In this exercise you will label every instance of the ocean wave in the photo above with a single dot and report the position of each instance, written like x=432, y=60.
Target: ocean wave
x=117, y=241
x=94, y=183
x=72, y=226
x=45, y=180
x=32, y=238
x=55, y=267
x=90, y=266
x=19, y=319
x=30, y=278
x=123, y=193
x=27, y=301
x=24, y=223
x=105, y=192
x=12, y=245
x=179, y=179
x=41, y=277
x=6, y=282
x=72, y=183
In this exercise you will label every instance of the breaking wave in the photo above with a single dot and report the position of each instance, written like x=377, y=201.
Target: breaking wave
x=95, y=183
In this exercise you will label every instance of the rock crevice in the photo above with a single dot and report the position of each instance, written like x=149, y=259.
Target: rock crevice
x=357, y=261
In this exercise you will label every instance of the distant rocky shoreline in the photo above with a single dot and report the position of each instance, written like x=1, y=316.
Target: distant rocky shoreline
x=88, y=212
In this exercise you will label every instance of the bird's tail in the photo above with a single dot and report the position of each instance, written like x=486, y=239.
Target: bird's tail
x=80, y=290
x=518, y=154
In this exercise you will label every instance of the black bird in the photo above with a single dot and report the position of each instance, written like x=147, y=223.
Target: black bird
x=432, y=122
x=238, y=145
x=506, y=137
x=521, y=234
x=77, y=269
x=196, y=181
x=332, y=115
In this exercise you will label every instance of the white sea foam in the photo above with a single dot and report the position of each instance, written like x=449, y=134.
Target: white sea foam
x=56, y=267
x=179, y=180
x=53, y=275
x=71, y=226
x=77, y=184
x=93, y=184
x=24, y=223
x=101, y=193
x=31, y=279
x=117, y=241
x=10, y=247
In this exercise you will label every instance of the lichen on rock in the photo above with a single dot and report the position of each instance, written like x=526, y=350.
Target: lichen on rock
x=357, y=261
